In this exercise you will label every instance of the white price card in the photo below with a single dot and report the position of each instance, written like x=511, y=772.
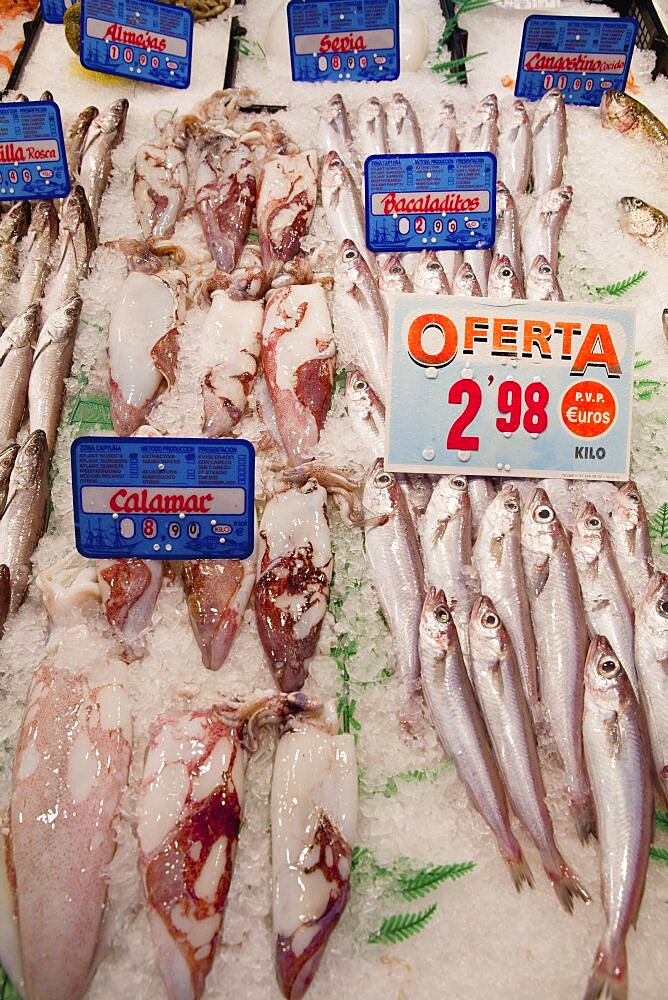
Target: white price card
x=537, y=389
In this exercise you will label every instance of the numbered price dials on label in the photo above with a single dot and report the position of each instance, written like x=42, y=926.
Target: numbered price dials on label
x=516, y=389
x=344, y=40
x=430, y=201
x=32, y=152
x=163, y=498
x=145, y=41
x=583, y=57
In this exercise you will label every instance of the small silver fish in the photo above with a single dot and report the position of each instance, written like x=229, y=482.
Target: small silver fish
x=75, y=136
x=542, y=284
x=465, y=281
x=445, y=136
x=540, y=232
x=106, y=131
x=16, y=358
x=651, y=661
x=429, y=276
x=450, y=260
x=645, y=223
x=480, y=261
x=483, y=136
x=372, y=128
x=393, y=276
x=50, y=368
x=618, y=766
x=481, y=494
x=358, y=308
x=13, y=227
x=334, y=133
x=504, y=282
x=76, y=243
x=366, y=411
x=36, y=253
x=403, y=129
x=23, y=521
x=629, y=534
x=341, y=202
x=7, y=459
x=508, y=241
x=549, y=142
x=514, y=156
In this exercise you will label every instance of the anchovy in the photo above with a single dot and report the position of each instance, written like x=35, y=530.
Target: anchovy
x=76, y=243
x=372, y=128
x=403, y=130
x=629, y=534
x=75, y=137
x=359, y=309
x=393, y=552
x=24, y=518
x=508, y=240
x=561, y=644
x=498, y=685
x=50, y=368
x=429, y=276
x=514, y=156
x=549, y=142
x=618, y=766
x=651, y=660
x=497, y=556
x=342, y=204
x=542, y=284
x=504, y=282
x=37, y=246
x=607, y=607
x=16, y=358
x=540, y=232
x=105, y=133
x=461, y=730
x=7, y=459
x=13, y=227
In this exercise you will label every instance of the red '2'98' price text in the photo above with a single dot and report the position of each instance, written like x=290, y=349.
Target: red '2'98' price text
x=517, y=408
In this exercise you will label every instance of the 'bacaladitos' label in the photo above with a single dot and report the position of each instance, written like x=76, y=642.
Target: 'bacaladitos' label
x=163, y=498
x=520, y=388
x=582, y=57
x=145, y=41
x=344, y=40
x=32, y=152
x=430, y=201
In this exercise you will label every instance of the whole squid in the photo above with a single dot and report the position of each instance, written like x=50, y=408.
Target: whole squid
x=286, y=199
x=129, y=589
x=233, y=330
x=161, y=182
x=226, y=192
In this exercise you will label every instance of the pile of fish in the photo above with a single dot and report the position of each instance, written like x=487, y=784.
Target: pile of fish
x=526, y=621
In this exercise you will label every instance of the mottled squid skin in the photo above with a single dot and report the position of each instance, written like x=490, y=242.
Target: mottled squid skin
x=285, y=203
x=130, y=589
x=225, y=199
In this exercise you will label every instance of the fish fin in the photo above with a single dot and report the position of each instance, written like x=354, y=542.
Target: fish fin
x=497, y=677
x=40, y=348
x=542, y=576
x=567, y=886
x=440, y=529
x=608, y=979
x=585, y=821
x=520, y=872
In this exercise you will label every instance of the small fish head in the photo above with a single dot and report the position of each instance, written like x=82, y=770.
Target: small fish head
x=541, y=528
x=450, y=496
x=437, y=623
x=618, y=111
x=552, y=101
x=489, y=108
x=505, y=511
x=656, y=597
x=429, y=272
x=487, y=629
x=638, y=218
x=382, y=492
x=465, y=281
x=349, y=259
x=447, y=112
x=504, y=199
x=627, y=508
x=542, y=275
x=30, y=459
x=333, y=168
x=503, y=280
x=370, y=112
x=606, y=681
x=520, y=113
x=393, y=275
x=358, y=391
x=112, y=118
x=589, y=533
x=335, y=109
x=7, y=459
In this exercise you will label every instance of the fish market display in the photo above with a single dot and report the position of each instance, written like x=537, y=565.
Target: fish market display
x=624, y=113
x=313, y=832
x=24, y=516
x=618, y=765
x=16, y=355
x=644, y=222
x=50, y=367
x=651, y=662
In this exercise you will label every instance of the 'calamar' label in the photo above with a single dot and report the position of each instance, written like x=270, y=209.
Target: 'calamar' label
x=32, y=152
x=514, y=389
x=163, y=498
x=356, y=40
x=430, y=201
x=582, y=57
x=145, y=41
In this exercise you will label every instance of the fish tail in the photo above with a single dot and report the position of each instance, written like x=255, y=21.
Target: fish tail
x=520, y=872
x=585, y=820
x=567, y=886
x=608, y=980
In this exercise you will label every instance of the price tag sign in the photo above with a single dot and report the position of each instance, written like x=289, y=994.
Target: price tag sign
x=32, y=152
x=582, y=57
x=141, y=40
x=336, y=40
x=430, y=201
x=53, y=11
x=163, y=498
x=539, y=389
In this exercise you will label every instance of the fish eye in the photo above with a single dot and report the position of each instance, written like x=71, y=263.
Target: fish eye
x=512, y=506
x=544, y=514
x=383, y=479
x=609, y=667
x=662, y=607
x=396, y=269
x=545, y=269
x=441, y=614
x=637, y=202
x=359, y=385
x=593, y=522
x=633, y=496
x=458, y=483
x=433, y=265
x=349, y=254
x=506, y=272
x=490, y=620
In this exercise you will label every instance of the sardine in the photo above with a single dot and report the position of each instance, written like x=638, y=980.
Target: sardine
x=540, y=232
x=549, y=142
x=628, y=116
x=16, y=356
x=51, y=366
x=294, y=571
x=483, y=136
x=504, y=282
x=313, y=832
x=461, y=730
x=514, y=156
x=445, y=535
x=480, y=262
x=465, y=281
x=76, y=243
x=366, y=411
x=226, y=193
x=36, y=253
x=607, y=607
x=129, y=590
x=561, y=644
x=542, y=284
x=372, y=125
x=359, y=309
x=508, y=241
x=7, y=459
x=75, y=136
x=497, y=556
x=651, y=660
x=217, y=593
x=498, y=684
x=645, y=223
x=286, y=199
x=618, y=765
x=334, y=134
x=105, y=133
x=161, y=184
x=24, y=518
x=233, y=331
x=13, y=227
x=629, y=534
x=342, y=203
x=393, y=277
x=429, y=276
x=403, y=129
x=298, y=359
x=393, y=552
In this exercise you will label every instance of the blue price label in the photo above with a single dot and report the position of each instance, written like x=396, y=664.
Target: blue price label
x=535, y=389
x=582, y=57
x=32, y=152
x=150, y=42
x=355, y=40
x=163, y=498
x=53, y=11
x=430, y=201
